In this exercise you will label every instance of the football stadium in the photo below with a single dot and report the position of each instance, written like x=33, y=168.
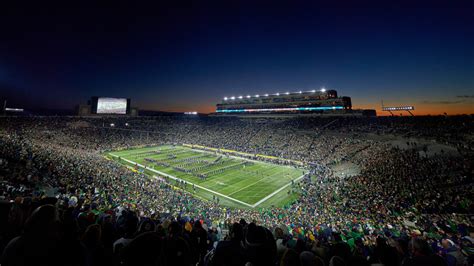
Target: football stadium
x=337, y=180
x=237, y=133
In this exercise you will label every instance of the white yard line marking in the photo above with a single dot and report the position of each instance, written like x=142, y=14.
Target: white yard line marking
x=275, y=192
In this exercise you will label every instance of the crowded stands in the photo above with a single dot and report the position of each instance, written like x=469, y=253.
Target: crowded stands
x=64, y=203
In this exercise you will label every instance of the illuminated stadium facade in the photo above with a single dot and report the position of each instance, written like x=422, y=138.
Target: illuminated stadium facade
x=315, y=101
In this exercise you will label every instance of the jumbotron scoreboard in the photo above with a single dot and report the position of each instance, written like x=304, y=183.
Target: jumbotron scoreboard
x=110, y=106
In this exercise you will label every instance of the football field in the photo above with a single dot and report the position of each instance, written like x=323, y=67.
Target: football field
x=235, y=181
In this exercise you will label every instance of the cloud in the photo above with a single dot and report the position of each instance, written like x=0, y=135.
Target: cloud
x=458, y=99
x=444, y=102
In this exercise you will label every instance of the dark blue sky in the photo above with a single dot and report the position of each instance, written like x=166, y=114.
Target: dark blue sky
x=188, y=56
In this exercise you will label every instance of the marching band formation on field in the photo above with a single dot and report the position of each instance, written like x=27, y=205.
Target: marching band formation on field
x=194, y=165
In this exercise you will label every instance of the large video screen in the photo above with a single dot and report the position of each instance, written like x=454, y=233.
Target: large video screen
x=112, y=106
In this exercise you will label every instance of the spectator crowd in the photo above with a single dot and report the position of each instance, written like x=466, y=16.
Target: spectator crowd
x=64, y=203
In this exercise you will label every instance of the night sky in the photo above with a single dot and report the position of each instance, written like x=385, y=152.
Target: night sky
x=188, y=56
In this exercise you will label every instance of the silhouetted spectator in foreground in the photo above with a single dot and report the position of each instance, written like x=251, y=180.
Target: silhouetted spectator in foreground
x=230, y=252
x=421, y=255
x=38, y=245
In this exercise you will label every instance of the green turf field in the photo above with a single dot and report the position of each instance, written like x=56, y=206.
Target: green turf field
x=237, y=182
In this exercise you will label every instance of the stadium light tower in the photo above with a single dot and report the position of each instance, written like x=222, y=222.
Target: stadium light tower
x=266, y=95
x=240, y=97
x=323, y=89
x=232, y=98
x=407, y=108
x=248, y=96
x=225, y=98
